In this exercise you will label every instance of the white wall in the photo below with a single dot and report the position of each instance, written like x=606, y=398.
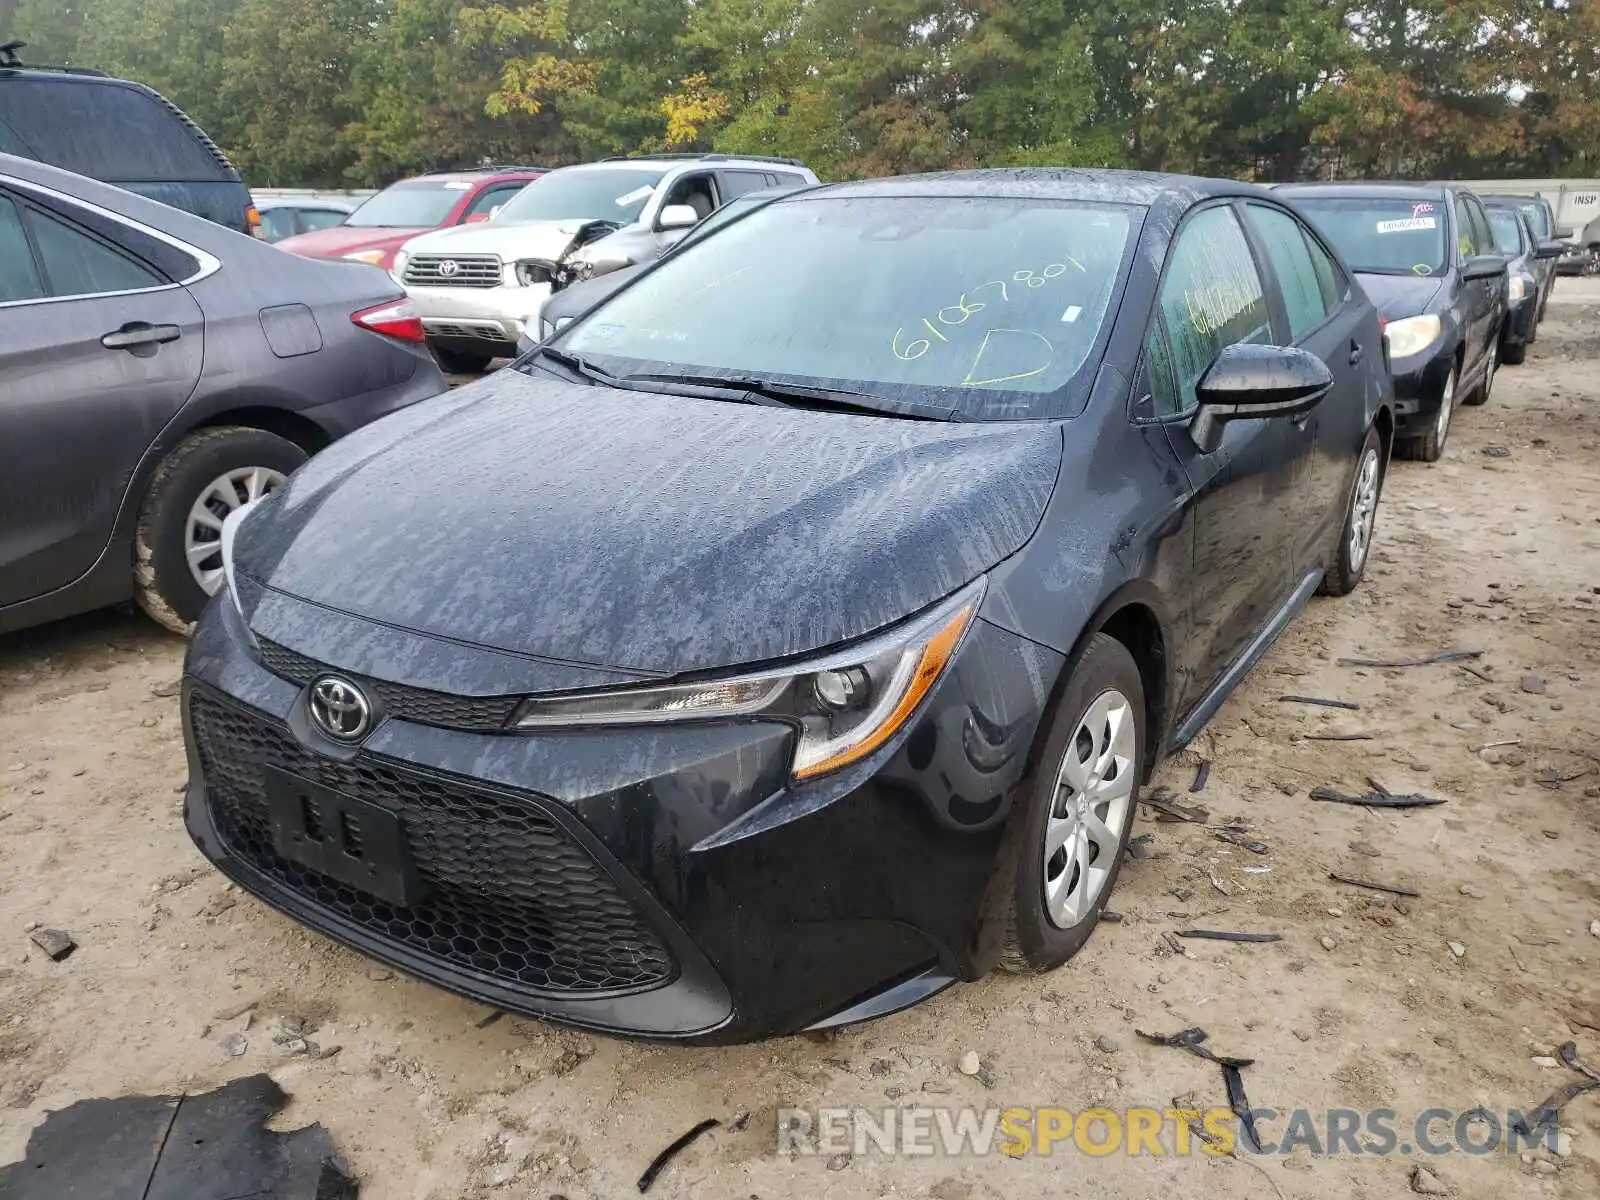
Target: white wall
x=1576, y=201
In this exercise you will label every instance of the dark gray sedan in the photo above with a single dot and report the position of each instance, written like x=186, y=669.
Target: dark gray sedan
x=158, y=371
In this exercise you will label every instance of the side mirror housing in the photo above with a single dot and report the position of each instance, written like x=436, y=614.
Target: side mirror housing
x=678, y=216
x=1563, y=233
x=1549, y=250
x=1253, y=382
x=477, y=218
x=1484, y=266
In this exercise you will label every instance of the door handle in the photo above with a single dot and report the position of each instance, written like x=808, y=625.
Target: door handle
x=1355, y=354
x=137, y=335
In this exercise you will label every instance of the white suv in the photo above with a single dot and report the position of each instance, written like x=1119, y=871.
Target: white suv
x=477, y=286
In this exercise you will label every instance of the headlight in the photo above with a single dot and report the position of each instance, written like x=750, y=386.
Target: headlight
x=1411, y=336
x=531, y=271
x=1520, y=285
x=845, y=705
x=595, y=259
x=373, y=258
x=399, y=268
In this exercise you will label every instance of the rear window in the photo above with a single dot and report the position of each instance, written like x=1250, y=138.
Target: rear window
x=107, y=131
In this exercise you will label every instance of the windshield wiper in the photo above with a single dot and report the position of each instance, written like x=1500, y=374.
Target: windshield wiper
x=580, y=365
x=793, y=395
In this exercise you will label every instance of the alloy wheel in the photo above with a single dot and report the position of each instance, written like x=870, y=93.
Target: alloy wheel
x=1092, y=806
x=1447, y=403
x=1363, y=510
x=202, y=532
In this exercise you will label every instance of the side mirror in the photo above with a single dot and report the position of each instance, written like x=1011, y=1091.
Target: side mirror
x=1563, y=233
x=1549, y=250
x=1484, y=266
x=1251, y=382
x=477, y=218
x=678, y=216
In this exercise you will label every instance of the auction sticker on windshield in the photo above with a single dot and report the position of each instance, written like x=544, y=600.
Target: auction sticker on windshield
x=1408, y=225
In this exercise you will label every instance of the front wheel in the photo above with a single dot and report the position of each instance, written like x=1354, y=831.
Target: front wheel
x=1481, y=394
x=1349, y=560
x=1064, y=847
x=178, y=546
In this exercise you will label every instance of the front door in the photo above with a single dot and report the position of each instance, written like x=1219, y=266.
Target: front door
x=1212, y=297
x=98, y=351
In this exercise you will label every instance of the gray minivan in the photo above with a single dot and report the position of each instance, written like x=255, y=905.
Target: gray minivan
x=118, y=132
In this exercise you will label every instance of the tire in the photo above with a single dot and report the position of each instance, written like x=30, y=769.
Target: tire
x=1514, y=354
x=163, y=583
x=1105, y=677
x=1351, y=555
x=1480, y=394
x=462, y=362
x=1430, y=446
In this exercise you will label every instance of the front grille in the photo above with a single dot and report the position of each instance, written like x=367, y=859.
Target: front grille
x=511, y=896
x=468, y=271
x=476, y=714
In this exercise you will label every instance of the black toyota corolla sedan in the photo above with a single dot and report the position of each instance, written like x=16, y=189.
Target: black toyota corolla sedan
x=1426, y=255
x=774, y=647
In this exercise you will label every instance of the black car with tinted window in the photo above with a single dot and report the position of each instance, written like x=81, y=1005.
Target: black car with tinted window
x=1541, y=219
x=1529, y=260
x=1426, y=256
x=770, y=649
x=118, y=132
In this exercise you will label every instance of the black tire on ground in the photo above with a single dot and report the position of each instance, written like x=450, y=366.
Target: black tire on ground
x=1345, y=574
x=1032, y=941
x=461, y=362
x=1514, y=354
x=163, y=584
x=1429, y=447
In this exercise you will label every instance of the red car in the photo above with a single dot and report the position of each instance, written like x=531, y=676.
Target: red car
x=402, y=210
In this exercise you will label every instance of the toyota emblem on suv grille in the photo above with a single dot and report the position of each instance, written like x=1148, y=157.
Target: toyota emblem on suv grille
x=340, y=709
x=449, y=268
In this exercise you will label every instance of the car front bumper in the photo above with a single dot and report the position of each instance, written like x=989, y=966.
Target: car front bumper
x=664, y=882
x=481, y=320
x=1520, y=321
x=1419, y=381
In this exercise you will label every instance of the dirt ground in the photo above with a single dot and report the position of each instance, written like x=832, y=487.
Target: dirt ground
x=1363, y=1004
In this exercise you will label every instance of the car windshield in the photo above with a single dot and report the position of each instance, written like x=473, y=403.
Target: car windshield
x=1507, y=231
x=1538, y=219
x=985, y=308
x=1380, y=235
x=597, y=194
x=420, y=205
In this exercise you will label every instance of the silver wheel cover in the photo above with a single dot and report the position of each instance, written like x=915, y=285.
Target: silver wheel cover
x=202, y=532
x=1363, y=509
x=1092, y=806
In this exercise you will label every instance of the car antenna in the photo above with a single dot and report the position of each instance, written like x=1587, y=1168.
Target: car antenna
x=8, y=54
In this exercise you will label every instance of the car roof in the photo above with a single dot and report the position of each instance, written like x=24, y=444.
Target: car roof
x=1141, y=188
x=1518, y=197
x=1398, y=189
x=304, y=202
x=487, y=175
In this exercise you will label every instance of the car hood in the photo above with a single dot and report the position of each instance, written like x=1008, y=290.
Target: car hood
x=645, y=533
x=342, y=240
x=1400, y=296
x=531, y=239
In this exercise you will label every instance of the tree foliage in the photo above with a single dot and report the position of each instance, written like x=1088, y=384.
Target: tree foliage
x=359, y=92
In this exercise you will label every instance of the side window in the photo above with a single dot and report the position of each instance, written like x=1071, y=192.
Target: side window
x=19, y=275
x=1466, y=236
x=737, y=183
x=312, y=219
x=277, y=224
x=1158, y=372
x=695, y=191
x=75, y=264
x=1329, y=277
x=786, y=179
x=1211, y=298
x=486, y=201
x=1291, y=261
x=1481, y=233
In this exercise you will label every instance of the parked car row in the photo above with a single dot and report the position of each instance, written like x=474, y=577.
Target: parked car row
x=787, y=634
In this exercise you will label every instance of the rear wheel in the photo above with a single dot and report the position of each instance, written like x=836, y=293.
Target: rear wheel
x=178, y=548
x=1480, y=394
x=461, y=362
x=1430, y=446
x=1349, y=560
x=1514, y=354
x=1064, y=847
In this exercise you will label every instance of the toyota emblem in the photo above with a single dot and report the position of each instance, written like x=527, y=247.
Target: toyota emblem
x=340, y=709
x=449, y=268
